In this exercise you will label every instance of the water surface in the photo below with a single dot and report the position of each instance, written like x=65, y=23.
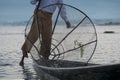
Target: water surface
x=12, y=38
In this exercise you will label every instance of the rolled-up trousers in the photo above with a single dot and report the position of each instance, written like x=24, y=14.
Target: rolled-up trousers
x=42, y=25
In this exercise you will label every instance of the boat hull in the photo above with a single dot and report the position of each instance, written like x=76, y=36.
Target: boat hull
x=80, y=71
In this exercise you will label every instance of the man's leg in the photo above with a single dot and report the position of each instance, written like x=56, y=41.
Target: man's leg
x=31, y=38
x=46, y=40
x=46, y=34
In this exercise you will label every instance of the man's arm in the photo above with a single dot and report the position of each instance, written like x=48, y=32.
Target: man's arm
x=63, y=14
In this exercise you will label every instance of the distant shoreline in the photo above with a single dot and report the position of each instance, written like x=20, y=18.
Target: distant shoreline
x=110, y=23
x=23, y=23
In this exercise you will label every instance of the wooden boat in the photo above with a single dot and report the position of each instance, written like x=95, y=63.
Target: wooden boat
x=80, y=42
x=70, y=70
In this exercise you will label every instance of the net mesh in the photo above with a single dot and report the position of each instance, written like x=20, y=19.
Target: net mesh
x=77, y=43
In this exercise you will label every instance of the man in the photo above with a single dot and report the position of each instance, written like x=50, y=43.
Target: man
x=42, y=24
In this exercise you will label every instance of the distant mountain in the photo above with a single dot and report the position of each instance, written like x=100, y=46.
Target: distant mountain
x=95, y=21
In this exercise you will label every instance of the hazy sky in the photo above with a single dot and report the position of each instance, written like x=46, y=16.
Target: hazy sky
x=21, y=10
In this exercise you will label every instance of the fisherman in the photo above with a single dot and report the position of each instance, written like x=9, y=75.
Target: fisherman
x=43, y=22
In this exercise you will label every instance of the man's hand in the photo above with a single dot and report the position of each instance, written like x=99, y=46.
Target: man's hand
x=68, y=24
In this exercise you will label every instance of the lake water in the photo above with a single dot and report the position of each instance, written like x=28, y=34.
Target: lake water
x=12, y=38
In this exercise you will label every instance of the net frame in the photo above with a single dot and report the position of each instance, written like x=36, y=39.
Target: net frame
x=59, y=43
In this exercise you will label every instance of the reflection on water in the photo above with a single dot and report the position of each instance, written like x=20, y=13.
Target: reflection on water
x=10, y=53
x=30, y=74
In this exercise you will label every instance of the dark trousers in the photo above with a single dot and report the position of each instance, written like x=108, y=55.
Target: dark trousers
x=42, y=25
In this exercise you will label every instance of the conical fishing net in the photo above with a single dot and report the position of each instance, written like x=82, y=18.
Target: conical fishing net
x=76, y=44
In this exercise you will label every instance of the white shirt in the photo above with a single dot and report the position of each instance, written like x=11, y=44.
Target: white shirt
x=51, y=9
